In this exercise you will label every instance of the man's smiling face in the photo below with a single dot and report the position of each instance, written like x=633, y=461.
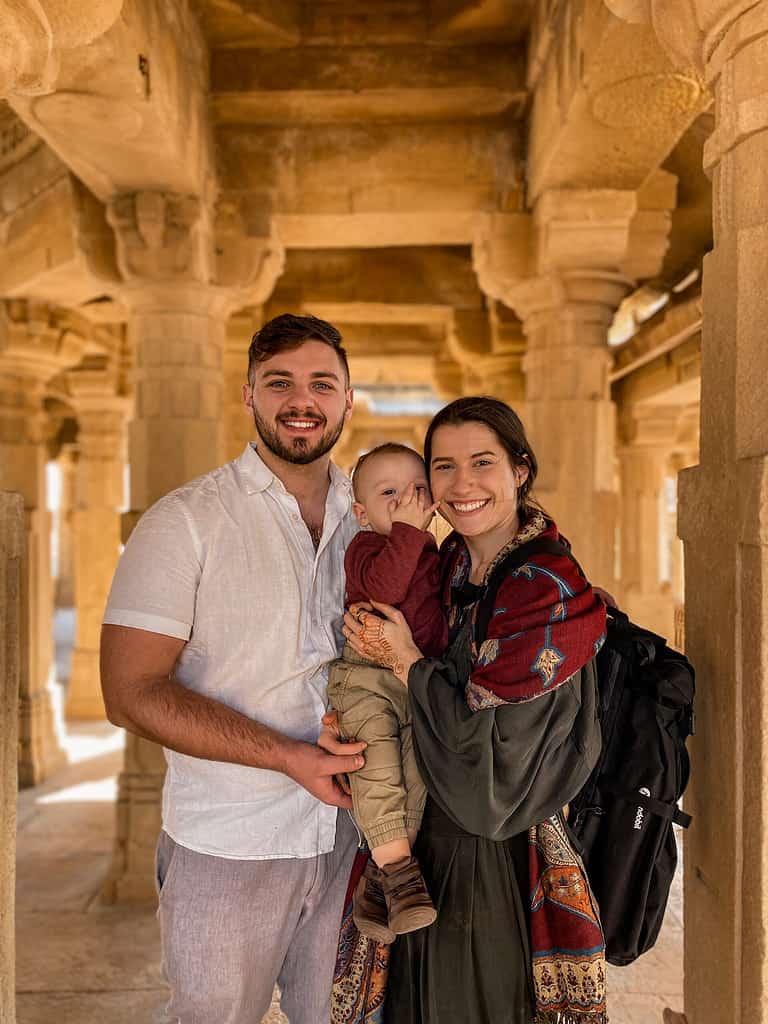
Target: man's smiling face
x=300, y=400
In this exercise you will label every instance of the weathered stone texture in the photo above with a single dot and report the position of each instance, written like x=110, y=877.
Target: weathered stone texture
x=11, y=555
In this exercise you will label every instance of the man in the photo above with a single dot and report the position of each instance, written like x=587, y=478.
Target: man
x=224, y=611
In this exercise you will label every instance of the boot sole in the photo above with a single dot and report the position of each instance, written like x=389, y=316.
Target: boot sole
x=412, y=920
x=379, y=933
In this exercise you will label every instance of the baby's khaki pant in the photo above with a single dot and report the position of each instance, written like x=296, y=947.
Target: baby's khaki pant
x=372, y=704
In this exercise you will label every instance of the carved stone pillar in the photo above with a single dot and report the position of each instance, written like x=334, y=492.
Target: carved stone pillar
x=722, y=519
x=564, y=270
x=11, y=557
x=238, y=428
x=101, y=415
x=180, y=289
x=64, y=590
x=32, y=351
x=644, y=458
x=570, y=417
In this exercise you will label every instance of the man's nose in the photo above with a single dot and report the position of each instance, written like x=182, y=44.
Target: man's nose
x=304, y=397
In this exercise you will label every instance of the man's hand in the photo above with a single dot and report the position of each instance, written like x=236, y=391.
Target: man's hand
x=314, y=769
x=413, y=508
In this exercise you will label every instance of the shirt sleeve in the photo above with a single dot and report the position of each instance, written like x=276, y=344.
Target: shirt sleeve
x=156, y=581
x=500, y=771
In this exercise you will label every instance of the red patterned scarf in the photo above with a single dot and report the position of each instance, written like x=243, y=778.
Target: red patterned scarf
x=546, y=625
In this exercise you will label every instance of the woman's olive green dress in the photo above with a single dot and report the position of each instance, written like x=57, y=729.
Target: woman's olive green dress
x=490, y=776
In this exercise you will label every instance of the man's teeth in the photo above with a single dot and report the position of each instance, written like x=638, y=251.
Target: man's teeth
x=469, y=506
x=300, y=424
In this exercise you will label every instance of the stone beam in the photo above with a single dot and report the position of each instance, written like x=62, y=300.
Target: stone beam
x=470, y=18
x=256, y=22
x=374, y=185
x=129, y=111
x=402, y=277
x=370, y=314
x=366, y=83
x=608, y=105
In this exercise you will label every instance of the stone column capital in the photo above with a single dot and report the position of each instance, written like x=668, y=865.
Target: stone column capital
x=591, y=293
x=648, y=428
x=34, y=342
x=696, y=33
x=576, y=233
x=102, y=413
x=177, y=252
x=35, y=32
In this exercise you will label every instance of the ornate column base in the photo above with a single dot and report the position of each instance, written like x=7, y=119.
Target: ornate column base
x=40, y=751
x=132, y=874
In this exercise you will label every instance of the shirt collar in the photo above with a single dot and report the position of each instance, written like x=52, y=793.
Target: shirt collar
x=258, y=476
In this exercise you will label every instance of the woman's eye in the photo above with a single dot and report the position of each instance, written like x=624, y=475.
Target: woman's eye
x=483, y=462
x=437, y=469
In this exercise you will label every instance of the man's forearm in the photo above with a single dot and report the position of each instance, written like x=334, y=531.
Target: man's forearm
x=191, y=723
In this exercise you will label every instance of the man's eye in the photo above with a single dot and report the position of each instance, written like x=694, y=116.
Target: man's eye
x=278, y=384
x=322, y=385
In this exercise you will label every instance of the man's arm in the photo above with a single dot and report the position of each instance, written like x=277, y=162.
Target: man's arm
x=142, y=696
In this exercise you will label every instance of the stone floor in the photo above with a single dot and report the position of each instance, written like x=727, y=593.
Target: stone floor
x=82, y=963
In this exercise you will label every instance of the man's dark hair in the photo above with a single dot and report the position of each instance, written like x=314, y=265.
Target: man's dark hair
x=390, y=448
x=287, y=332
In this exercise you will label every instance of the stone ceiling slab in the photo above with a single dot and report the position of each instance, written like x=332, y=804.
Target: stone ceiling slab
x=306, y=84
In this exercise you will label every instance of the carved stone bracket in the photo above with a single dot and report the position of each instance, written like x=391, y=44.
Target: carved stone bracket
x=160, y=236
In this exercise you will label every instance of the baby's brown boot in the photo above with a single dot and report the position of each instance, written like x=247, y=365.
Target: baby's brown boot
x=408, y=901
x=369, y=908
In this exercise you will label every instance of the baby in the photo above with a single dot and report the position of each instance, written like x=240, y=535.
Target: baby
x=393, y=560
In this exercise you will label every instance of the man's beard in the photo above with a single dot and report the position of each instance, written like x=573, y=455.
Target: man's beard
x=299, y=452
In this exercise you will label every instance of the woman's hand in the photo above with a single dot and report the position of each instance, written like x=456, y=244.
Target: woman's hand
x=387, y=641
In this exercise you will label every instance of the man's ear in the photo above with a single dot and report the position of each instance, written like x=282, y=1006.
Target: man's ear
x=248, y=395
x=350, y=399
x=360, y=513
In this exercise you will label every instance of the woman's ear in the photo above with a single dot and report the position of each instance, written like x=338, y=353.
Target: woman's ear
x=522, y=471
x=360, y=513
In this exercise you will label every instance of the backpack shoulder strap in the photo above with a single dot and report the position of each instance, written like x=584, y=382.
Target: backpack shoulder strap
x=508, y=564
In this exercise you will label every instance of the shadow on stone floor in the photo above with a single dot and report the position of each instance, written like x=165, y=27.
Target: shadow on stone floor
x=80, y=962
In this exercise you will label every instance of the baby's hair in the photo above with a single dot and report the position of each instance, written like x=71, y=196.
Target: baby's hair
x=390, y=448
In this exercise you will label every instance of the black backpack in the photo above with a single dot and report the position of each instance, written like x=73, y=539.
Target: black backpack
x=622, y=818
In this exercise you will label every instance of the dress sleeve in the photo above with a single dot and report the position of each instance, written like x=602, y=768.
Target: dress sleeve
x=498, y=771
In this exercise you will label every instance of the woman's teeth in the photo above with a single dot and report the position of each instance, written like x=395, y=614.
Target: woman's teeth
x=469, y=506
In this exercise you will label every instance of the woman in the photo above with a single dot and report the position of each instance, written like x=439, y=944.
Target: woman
x=506, y=733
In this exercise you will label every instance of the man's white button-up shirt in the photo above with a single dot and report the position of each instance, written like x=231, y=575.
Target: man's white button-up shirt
x=227, y=564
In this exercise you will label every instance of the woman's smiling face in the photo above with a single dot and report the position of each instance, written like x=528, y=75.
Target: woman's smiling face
x=473, y=479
